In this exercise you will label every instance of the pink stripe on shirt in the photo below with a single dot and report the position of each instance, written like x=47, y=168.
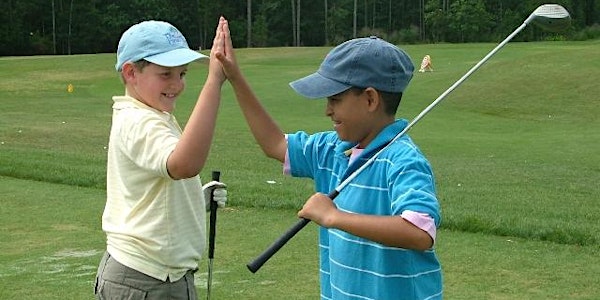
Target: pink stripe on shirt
x=421, y=220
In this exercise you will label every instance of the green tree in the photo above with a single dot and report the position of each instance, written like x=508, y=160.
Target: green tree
x=436, y=21
x=469, y=21
x=30, y=27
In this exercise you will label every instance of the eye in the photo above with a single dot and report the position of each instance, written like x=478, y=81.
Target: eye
x=182, y=75
x=333, y=99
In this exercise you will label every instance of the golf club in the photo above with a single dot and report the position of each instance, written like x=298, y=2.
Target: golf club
x=216, y=176
x=552, y=17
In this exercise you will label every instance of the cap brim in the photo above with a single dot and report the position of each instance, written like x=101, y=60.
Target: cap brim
x=174, y=58
x=316, y=86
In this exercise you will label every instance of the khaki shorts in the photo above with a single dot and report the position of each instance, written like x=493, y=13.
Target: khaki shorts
x=116, y=281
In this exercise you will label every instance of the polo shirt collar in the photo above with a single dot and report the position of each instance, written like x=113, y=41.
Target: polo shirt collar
x=381, y=140
x=123, y=102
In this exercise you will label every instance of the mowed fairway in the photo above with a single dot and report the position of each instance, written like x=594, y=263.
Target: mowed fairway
x=515, y=151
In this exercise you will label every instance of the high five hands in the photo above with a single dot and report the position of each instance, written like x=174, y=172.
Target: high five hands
x=223, y=52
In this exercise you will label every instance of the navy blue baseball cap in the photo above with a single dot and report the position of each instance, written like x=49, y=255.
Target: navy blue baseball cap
x=362, y=62
x=157, y=42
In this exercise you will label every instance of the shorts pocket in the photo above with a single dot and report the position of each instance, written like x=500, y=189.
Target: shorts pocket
x=112, y=290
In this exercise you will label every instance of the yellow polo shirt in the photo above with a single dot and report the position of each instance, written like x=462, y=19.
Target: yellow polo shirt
x=154, y=224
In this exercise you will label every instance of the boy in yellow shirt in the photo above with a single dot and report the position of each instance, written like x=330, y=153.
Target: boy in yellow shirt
x=154, y=216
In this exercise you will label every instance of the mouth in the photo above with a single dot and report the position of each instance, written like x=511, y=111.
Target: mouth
x=169, y=95
x=336, y=124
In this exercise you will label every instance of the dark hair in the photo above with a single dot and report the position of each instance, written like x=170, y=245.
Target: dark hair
x=391, y=101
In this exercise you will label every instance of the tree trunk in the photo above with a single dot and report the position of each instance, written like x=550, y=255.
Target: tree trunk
x=293, y=2
x=389, y=16
x=326, y=24
x=249, y=23
x=354, y=19
x=69, y=34
x=373, y=15
x=53, y=28
x=422, y=19
x=298, y=24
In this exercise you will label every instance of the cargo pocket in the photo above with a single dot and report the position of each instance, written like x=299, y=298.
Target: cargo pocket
x=112, y=290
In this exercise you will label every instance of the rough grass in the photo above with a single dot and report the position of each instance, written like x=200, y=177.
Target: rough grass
x=514, y=151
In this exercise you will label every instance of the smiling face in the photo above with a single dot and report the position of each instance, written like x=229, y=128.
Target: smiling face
x=154, y=85
x=358, y=115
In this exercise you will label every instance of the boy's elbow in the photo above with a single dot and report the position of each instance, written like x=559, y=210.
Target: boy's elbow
x=183, y=175
x=276, y=151
x=424, y=247
x=179, y=167
x=424, y=244
x=421, y=241
x=275, y=155
x=182, y=172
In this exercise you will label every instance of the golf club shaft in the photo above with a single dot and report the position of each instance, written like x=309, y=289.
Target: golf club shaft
x=257, y=263
x=463, y=78
x=216, y=176
x=209, y=280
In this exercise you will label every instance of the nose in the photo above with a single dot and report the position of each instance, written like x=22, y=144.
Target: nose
x=328, y=109
x=178, y=82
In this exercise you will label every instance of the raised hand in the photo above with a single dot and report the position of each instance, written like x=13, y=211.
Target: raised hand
x=218, y=50
x=227, y=56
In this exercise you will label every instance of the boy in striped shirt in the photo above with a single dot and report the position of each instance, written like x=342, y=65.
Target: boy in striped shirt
x=376, y=239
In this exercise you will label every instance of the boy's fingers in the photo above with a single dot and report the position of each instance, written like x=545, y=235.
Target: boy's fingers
x=227, y=37
x=228, y=45
x=219, y=25
x=219, y=30
x=225, y=25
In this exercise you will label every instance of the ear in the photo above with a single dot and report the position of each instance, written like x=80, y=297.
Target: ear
x=373, y=99
x=128, y=71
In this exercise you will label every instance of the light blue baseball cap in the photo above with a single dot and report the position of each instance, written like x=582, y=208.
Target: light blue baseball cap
x=157, y=42
x=361, y=62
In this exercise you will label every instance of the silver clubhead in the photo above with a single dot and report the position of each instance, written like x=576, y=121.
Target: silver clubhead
x=551, y=17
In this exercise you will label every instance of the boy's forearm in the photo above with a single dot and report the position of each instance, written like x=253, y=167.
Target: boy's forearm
x=190, y=154
x=392, y=231
x=265, y=130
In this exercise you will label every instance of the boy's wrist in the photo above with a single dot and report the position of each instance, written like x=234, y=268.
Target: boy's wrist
x=213, y=79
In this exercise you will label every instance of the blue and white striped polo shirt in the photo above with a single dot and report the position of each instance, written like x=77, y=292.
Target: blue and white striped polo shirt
x=399, y=179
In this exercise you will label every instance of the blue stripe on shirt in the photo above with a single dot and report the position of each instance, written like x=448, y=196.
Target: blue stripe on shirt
x=399, y=179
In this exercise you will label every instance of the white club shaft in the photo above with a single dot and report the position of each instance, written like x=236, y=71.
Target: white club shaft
x=432, y=105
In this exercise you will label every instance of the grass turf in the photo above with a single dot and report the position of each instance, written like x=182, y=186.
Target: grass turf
x=514, y=150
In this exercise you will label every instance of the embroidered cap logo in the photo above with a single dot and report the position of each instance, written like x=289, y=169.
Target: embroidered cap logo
x=175, y=38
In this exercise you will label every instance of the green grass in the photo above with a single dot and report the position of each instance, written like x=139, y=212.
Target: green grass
x=51, y=245
x=514, y=150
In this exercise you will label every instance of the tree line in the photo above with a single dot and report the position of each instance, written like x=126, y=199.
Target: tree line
x=33, y=27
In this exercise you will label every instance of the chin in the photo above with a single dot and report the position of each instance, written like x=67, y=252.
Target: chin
x=345, y=138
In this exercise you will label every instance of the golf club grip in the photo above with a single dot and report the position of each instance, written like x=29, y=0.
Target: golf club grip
x=216, y=176
x=257, y=263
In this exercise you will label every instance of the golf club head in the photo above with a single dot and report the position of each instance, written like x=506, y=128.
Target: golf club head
x=551, y=17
